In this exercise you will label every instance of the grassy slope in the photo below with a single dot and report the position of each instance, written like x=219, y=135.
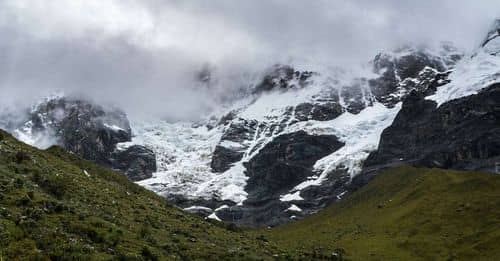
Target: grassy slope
x=49, y=208
x=408, y=214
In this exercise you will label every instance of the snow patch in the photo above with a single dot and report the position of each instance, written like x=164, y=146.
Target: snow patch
x=470, y=76
x=113, y=127
x=221, y=208
x=214, y=217
x=294, y=208
x=231, y=145
x=197, y=208
x=291, y=197
x=339, y=196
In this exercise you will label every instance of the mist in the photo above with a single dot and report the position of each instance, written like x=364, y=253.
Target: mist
x=143, y=56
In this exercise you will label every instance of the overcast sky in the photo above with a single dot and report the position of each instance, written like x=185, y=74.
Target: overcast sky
x=141, y=55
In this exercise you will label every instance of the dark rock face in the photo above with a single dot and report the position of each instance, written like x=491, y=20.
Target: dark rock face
x=318, y=112
x=237, y=132
x=395, y=69
x=92, y=132
x=268, y=213
x=285, y=162
x=272, y=212
x=137, y=162
x=461, y=134
x=223, y=157
x=281, y=76
x=426, y=82
x=278, y=167
x=83, y=128
x=356, y=96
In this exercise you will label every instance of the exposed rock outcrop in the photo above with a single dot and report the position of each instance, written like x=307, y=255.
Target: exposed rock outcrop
x=285, y=162
x=276, y=161
x=318, y=112
x=92, y=132
x=401, y=71
x=278, y=167
x=233, y=143
x=283, y=77
x=137, y=162
x=461, y=134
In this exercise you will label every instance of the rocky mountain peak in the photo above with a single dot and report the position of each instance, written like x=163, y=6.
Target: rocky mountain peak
x=411, y=67
x=89, y=130
x=283, y=77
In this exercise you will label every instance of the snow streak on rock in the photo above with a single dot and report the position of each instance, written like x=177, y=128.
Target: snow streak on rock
x=360, y=133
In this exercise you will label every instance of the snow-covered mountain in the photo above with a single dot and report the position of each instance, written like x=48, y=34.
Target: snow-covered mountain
x=300, y=138
x=456, y=127
x=88, y=130
x=292, y=146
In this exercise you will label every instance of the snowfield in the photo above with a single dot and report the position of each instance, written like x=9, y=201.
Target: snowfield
x=470, y=76
x=473, y=73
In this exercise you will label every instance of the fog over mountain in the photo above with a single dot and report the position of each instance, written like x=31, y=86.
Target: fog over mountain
x=144, y=55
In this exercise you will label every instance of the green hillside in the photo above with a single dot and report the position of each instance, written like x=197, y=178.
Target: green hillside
x=51, y=209
x=408, y=214
x=56, y=206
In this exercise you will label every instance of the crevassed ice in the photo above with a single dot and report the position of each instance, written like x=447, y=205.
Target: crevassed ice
x=183, y=159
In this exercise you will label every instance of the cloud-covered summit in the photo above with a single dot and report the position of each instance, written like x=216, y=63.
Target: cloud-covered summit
x=142, y=55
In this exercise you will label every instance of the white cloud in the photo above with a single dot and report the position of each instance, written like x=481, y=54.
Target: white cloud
x=143, y=54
